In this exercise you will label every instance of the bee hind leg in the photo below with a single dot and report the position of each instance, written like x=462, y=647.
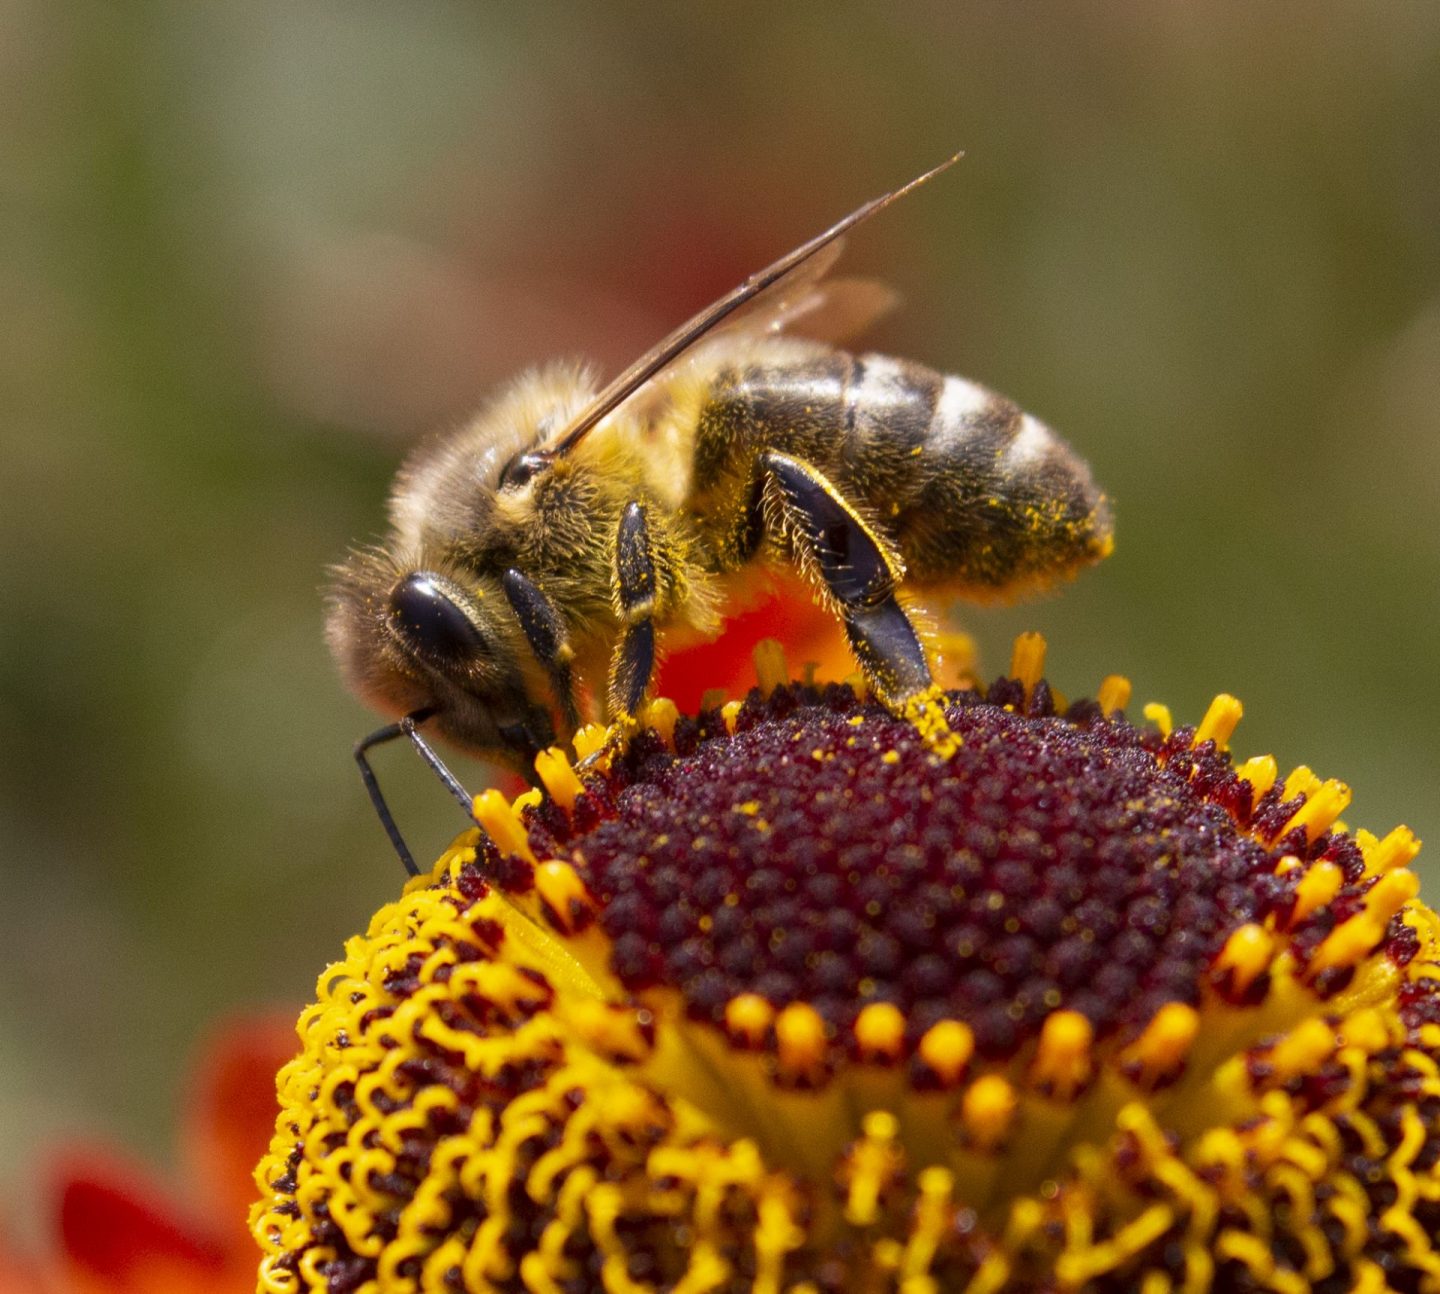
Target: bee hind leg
x=832, y=540
x=634, y=590
x=545, y=632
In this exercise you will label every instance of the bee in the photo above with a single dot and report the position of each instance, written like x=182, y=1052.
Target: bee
x=537, y=556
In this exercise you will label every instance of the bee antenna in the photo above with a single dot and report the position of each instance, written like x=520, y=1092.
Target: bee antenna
x=405, y=727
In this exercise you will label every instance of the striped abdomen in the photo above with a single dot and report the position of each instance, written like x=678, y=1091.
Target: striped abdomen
x=973, y=491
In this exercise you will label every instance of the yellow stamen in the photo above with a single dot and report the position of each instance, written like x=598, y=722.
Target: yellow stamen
x=661, y=715
x=800, y=1039
x=558, y=777
x=1164, y=1044
x=1303, y=1049
x=1300, y=782
x=858, y=684
x=1114, y=693
x=880, y=1031
x=748, y=1018
x=615, y=1032
x=957, y=653
x=1160, y=716
x=770, y=668
x=1219, y=722
x=1246, y=954
x=1027, y=661
x=560, y=886
x=1318, y=887
x=589, y=739
x=1366, y=1029
x=947, y=1047
x=1062, y=1060
x=730, y=712
x=1319, y=811
x=1398, y=849
x=493, y=812
x=872, y=1165
x=1391, y=893
x=1353, y=940
x=712, y=699
x=1260, y=771
x=987, y=1110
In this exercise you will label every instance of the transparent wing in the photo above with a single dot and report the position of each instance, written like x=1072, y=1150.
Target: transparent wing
x=778, y=298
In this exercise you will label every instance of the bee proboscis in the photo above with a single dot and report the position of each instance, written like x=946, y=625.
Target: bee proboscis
x=557, y=538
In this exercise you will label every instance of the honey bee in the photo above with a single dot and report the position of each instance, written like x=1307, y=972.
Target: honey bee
x=550, y=543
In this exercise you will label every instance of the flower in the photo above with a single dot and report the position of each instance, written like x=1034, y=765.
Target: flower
x=118, y=1230
x=787, y=996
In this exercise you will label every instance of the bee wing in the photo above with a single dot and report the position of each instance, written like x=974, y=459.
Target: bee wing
x=764, y=300
x=830, y=312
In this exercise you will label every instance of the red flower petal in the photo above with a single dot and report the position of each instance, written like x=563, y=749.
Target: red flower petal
x=229, y=1118
x=118, y=1233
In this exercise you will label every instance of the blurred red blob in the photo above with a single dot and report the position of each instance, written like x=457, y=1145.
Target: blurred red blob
x=116, y=1227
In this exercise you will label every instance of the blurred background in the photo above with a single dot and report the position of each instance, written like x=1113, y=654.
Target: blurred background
x=255, y=250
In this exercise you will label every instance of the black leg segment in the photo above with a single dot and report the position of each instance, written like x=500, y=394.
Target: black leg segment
x=830, y=538
x=545, y=632
x=634, y=658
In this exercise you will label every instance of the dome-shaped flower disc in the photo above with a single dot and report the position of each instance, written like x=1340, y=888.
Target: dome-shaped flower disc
x=789, y=996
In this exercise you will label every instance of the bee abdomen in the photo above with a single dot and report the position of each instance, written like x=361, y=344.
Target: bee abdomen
x=970, y=488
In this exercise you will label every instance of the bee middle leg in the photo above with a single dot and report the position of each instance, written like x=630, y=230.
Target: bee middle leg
x=634, y=589
x=831, y=539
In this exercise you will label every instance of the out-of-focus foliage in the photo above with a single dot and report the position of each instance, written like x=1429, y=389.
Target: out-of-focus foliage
x=254, y=249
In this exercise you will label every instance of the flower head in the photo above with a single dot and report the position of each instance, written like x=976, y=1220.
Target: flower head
x=782, y=998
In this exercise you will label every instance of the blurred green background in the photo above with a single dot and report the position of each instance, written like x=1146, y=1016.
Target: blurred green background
x=253, y=250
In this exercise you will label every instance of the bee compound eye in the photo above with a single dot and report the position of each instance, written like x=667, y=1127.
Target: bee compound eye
x=523, y=468
x=432, y=621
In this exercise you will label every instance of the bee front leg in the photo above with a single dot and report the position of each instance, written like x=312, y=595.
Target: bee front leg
x=545, y=632
x=634, y=591
x=831, y=540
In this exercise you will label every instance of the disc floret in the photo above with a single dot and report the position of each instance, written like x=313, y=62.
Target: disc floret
x=785, y=995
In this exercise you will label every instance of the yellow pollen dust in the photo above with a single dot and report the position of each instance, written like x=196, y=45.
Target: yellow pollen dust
x=926, y=712
x=800, y=1039
x=1062, y=1060
x=1114, y=694
x=1164, y=1043
x=493, y=812
x=748, y=1017
x=1260, y=771
x=947, y=1047
x=559, y=884
x=1220, y=721
x=987, y=1110
x=770, y=668
x=1247, y=953
x=557, y=776
x=1027, y=661
x=880, y=1031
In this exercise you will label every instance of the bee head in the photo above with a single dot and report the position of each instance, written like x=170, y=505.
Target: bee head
x=412, y=636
